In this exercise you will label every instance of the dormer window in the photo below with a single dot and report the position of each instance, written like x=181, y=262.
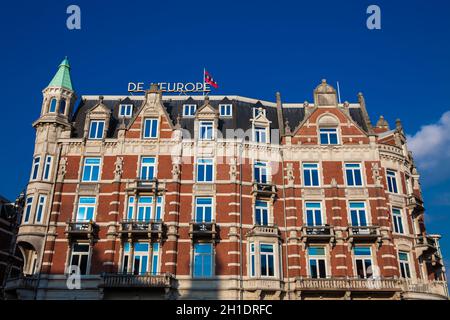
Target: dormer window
x=189, y=110
x=226, y=110
x=260, y=134
x=125, y=110
x=206, y=130
x=96, y=129
x=328, y=136
x=52, y=107
x=258, y=111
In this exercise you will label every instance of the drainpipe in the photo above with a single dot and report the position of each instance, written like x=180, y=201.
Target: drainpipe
x=241, y=271
x=285, y=225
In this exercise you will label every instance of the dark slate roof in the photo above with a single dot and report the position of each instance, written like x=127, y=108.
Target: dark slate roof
x=242, y=113
x=357, y=116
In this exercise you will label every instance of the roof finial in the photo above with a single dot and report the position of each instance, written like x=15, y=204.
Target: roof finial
x=62, y=76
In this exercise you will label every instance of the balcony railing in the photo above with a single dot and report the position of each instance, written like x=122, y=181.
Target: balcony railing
x=143, y=185
x=426, y=246
x=81, y=229
x=22, y=282
x=269, y=230
x=317, y=233
x=439, y=288
x=164, y=280
x=141, y=228
x=202, y=229
x=262, y=284
x=338, y=284
x=364, y=233
x=264, y=190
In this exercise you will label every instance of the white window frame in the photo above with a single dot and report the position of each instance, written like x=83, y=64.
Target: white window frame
x=191, y=108
x=323, y=257
x=366, y=213
x=27, y=211
x=257, y=112
x=364, y=258
x=258, y=133
x=150, y=122
x=40, y=208
x=359, y=168
x=213, y=258
x=85, y=164
x=96, y=135
x=198, y=164
x=47, y=168
x=125, y=110
x=397, y=220
x=207, y=125
x=143, y=165
x=86, y=206
x=261, y=165
x=88, y=254
x=391, y=180
x=317, y=168
x=226, y=110
x=322, y=218
x=264, y=210
x=35, y=168
x=203, y=209
x=404, y=266
x=328, y=136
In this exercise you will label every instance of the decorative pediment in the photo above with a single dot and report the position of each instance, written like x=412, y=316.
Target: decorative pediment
x=206, y=111
x=99, y=111
x=325, y=95
x=328, y=120
x=261, y=119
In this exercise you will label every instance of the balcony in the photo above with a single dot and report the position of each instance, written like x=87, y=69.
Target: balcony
x=162, y=280
x=416, y=288
x=364, y=234
x=264, y=231
x=317, y=233
x=261, y=284
x=205, y=230
x=348, y=284
x=24, y=282
x=141, y=229
x=145, y=186
x=264, y=190
x=426, y=247
x=415, y=203
x=81, y=229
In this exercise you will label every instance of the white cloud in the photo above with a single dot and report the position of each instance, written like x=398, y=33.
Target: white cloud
x=431, y=149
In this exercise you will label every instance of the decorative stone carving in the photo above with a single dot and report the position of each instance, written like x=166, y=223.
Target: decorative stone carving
x=119, y=168
x=334, y=183
x=62, y=170
x=233, y=169
x=290, y=174
x=175, y=171
x=376, y=174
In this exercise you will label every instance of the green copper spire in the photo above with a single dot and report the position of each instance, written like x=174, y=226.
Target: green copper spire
x=62, y=77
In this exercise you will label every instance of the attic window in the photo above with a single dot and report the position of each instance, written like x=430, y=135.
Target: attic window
x=125, y=110
x=189, y=110
x=226, y=110
x=258, y=111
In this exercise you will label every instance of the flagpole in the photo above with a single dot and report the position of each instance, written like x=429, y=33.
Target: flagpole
x=204, y=83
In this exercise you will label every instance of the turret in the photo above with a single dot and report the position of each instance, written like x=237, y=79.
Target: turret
x=53, y=124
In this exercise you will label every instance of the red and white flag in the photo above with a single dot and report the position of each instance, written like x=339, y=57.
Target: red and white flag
x=208, y=79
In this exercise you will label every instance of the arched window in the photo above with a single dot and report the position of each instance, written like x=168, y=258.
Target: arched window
x=328, y=130
x=62, y=106
x=52, y=107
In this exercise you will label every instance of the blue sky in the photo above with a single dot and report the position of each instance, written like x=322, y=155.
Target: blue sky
x=252, y=49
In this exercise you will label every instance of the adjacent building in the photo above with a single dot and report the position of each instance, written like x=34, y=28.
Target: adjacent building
x=213, y=197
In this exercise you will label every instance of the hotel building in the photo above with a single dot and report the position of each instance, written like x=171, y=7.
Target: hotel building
x=161, y=196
